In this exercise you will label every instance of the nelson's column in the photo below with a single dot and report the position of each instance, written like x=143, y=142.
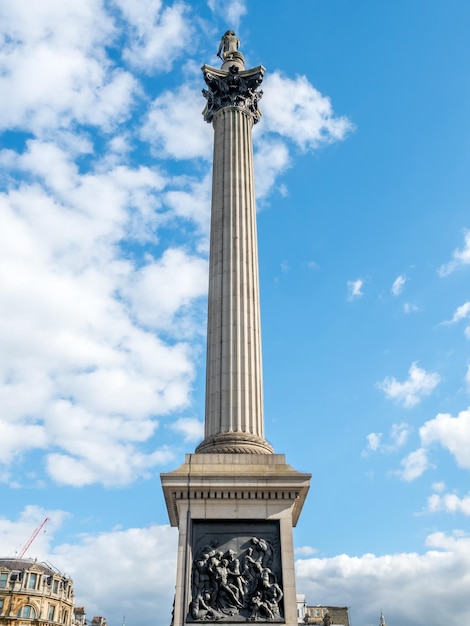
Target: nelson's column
x=234, y=501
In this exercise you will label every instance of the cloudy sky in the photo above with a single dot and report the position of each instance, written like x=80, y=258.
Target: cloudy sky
x=362, y=161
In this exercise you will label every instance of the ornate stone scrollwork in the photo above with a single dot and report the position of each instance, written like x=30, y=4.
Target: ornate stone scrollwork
x=232, y=88
x=232, y=586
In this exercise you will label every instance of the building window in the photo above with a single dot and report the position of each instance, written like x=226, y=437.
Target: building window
x=27, y=612
x=3, y=580
x=50, y=613
x=1, y=605
x=32, y=581
x=55, y=586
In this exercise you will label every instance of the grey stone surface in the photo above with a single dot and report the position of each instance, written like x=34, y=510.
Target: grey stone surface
x=234, y=420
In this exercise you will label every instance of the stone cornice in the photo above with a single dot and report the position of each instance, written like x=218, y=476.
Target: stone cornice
x=244, y=478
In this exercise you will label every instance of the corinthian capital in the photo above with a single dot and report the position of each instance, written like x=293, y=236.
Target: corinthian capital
x=232, y=88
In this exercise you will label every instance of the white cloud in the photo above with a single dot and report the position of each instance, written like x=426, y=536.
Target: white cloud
x=373, y=443
x=414, y=465
x=449, y=503
x=452, y=433
x=409, y=393
x=460, y=257
x=14, y=535
x=115, y=572
x=75, y=330
x=294, y=109
x=64, y=22
x=409, y=307
x=400, y=434
x=271, y=158
x=462, y=312
x=122, y=572
x=55, y=70
x=394, y=582
x=175, y=127
x=305, y=551
x=158, y=34
x=190, y=428
x=355, y=288
x=398, y=285
x=231, y=10
x=398, y=437
x=192, y=202
x=161, y=291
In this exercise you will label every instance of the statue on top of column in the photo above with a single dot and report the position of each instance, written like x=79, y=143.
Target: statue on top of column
x=232, y=86
x=229, y=44
x=229, y=51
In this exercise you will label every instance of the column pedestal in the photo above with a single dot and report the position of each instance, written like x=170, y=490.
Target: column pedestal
x=235, y=507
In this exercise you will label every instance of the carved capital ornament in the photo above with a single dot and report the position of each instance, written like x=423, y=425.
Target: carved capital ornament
x=232, y=88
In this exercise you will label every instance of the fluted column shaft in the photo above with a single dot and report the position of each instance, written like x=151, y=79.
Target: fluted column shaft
x=234, y=420
x=234, y=388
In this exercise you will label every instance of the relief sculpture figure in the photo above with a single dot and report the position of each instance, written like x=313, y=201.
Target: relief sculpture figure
x=264, y=549
x=234, y=574
x=227, y=593
x=227, y=584
x=260, y=608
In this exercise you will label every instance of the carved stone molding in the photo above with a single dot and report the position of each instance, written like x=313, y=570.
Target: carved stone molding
x=194, y=494
x=234, y=443
x=232, y=88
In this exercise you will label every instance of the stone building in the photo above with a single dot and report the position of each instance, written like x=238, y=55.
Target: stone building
x=34, y=594
x=79, y=618
x=339, y=615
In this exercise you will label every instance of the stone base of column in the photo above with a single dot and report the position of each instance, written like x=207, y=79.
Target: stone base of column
x=234, y=442
x=235, y=514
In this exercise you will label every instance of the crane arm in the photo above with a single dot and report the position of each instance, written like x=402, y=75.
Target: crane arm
x=33, y=537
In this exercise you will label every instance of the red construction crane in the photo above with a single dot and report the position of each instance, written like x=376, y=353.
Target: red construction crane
x=33, y=537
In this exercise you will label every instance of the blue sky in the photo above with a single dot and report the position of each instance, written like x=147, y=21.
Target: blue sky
x=362, y=160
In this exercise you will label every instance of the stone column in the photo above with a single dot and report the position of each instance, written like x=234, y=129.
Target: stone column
x=234, y=420
x=234, y=501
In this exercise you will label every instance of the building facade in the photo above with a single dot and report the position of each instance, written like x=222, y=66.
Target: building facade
x=34, y=594
x=79, y=618
x=339, y=615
